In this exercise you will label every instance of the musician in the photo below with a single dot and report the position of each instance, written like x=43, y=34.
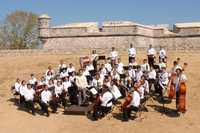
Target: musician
x=133, y=106
x=61, y=66
x=90, y=69
x=33, y=80
x=82, y=84
x=108, y=66
x=22, y=90
x=133, y=63
x=152, y=78
x=50, y=71
x=29, y=93
x=66, y=84
x=163, y=81
x=64, y=74
x=46, y=96
x=115, y=90
x=17, y=86
x=151, y=52
x=145, y=66
x=104, y=104
x=120, y=67
x=115, y=75
x=131, y=53
x=138, y=74
x=131, y=73
x=162, y=54
x=179, y=78
x=42, y=81
x=48, y=76
x=103, y=70
x=51, y=86
x=94, y=59
x=97, y=82
x=113, y=56
x=71, y=69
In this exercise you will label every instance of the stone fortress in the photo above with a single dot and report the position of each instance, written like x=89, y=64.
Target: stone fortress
x=92, y=35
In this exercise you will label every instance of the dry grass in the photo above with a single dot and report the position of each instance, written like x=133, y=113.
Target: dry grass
x=14, y=120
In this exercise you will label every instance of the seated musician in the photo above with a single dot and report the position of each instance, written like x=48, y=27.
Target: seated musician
x=115, y=90
x=103, y=71
x=71, y=69
x=46, y=96
x=61, y=66
x=104, y=103
x=120, y=67
x=115, y=75
x=48, y=76
x=145, y=66
x=29, y=93
x=42, y=81
x=108, y=66
x=64, y=74
x=51, y=86
x=50, y=71
x=22, y=90
x=151, y=52
x=33, y=80
x=66, y=84
x=152, y=78
x=163, y=81
x=17, y=86
x=133, y=106
x=97, y=82
x=133, y=63
x=138, y=74
x=90, y=69
x=180, y=77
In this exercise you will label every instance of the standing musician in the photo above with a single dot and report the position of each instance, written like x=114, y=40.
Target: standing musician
x=162, y=55
x=113, y=56
x=131, y=53
x=61, y=66
x=151, y=52
x=29, y=93
x=94, y=58
x=132, y=104
x=179, y=78
x=46, y=96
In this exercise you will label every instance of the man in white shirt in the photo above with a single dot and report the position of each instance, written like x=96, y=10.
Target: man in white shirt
x=133, y=106
x=151, y=52
x=97, y=82
x=82, y=84
x=113, y=56
x=162, y=54
x=108, y=66
x=152, y=78
x=71, y=69
x=22, y=90
x=105, y=104
x=163, y=81
x=131, y=53
x=33, y=80
x=61, y=66
x=145, y=66
x=17, y=86
x=46, y=97
x=138, y=74
x=29, y=97
x=94, y=59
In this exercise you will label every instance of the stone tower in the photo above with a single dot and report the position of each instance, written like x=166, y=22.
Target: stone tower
x=44, y=26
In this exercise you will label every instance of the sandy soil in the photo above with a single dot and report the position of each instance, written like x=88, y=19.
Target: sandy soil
x=19, y=121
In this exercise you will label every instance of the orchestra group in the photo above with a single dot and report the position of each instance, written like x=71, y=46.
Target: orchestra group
x=105, y=84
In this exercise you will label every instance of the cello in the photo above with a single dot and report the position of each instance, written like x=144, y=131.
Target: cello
x=171, y=87
x=182, y=97
x=127, y=101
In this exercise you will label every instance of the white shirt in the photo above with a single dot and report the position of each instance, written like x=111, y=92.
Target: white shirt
x=181, y=77
x=32, y=81
x=138, y=75
x=151, y=51
x=108, y=67
x=93, y=57
x=66, y=85
x=136, y=99
x=131, y=73
x=81, y=82
x=152, y=74
x=113, y=55
x=58, y=90
x=71, y=69
x=96, y=82
x=162, y=53
x=22, y=89
x=141, y=90
x=107, y=96
x=64, y=74
x=17, y=86
x=103, y=71
x=90, y=67
x=29, y=94
x=146, y=86
x=163, y=78
x=131, y=52
x=46, y=96
x=145, y=67
x=115, y=91
x=115, y=76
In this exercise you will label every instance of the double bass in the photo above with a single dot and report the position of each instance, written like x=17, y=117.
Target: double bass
x=182, y=97
x=171, y=87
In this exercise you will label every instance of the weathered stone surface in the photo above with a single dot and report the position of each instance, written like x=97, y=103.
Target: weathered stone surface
x=119, y=34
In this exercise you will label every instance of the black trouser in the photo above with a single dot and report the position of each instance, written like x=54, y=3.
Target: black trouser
x=152, y=82
x=44, y=107
x=30, y=106
x=95, y=64
x=54, y=105
x=127, y=112
x=162, y=59
x=151, y=60
x=21, y=99
x=130, y=58
x=100, y=111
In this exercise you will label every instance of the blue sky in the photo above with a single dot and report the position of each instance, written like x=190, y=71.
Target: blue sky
x=141, y=11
